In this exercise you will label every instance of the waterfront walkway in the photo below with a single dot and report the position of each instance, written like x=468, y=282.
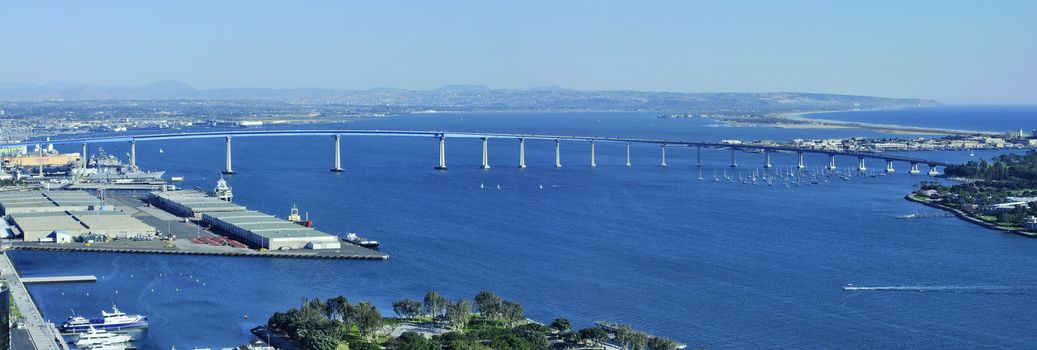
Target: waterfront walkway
x=34, y=332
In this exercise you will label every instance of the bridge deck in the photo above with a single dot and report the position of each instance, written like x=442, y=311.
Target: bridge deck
x=465, y=134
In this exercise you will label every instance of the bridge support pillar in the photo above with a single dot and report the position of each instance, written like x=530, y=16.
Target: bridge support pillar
x=860, y=164
x=801, y=164
x=734, y=162
x=889, y=166
x=133, y=153
x=485, y=153
x=831, y=162
x=628, y=153
x=914, y=169
x=593, y=163
x=932, y=170
x=41, y=158
x=767, y=159
x=558, y=153
x=664, y=156
x=338, y=155
x=229, y=170
x=83, y=160
x=522, y=153
x=698, y=157
x=442, y=153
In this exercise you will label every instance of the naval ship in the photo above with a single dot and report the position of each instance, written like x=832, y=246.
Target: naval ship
x=105, y=167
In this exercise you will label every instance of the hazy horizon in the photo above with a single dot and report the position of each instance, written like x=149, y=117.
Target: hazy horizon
x=952, y=52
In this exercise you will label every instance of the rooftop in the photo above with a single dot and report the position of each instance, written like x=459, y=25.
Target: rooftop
x=47, y=199
x=267, y=225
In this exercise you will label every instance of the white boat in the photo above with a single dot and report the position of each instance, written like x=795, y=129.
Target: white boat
x=94, y=337
x=161, y=151
x=109, y=346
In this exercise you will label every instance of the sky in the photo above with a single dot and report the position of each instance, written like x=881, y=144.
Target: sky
x=957, y=52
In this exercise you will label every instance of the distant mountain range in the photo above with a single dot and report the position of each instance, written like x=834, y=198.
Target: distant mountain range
x=468, y=97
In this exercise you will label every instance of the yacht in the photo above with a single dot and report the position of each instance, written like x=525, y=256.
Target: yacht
x=108, y=320
x=94, y=336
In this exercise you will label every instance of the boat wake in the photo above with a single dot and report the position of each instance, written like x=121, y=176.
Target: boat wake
x=981, y=289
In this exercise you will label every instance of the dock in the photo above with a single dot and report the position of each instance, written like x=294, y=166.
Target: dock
x=59, y=279
x=34, y=331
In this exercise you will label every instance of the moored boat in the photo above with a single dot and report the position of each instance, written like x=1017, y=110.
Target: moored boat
x=108, y=320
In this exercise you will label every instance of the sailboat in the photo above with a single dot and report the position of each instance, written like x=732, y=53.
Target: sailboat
x=541, y=187
x=161, y=151
x=482, y=185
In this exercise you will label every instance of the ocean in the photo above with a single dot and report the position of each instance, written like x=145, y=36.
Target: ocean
x=711, y=264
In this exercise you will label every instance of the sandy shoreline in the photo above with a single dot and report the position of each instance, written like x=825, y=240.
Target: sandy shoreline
x=803, y=122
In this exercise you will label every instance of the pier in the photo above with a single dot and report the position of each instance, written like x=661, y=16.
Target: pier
x=59, y=279
x=35, y=332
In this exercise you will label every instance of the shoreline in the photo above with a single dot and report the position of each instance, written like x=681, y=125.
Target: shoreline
x=894, y=129
x=965, y=217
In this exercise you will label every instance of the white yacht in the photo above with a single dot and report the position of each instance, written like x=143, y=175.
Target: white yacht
x=94, y=337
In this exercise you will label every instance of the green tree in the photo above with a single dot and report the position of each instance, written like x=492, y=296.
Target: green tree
x=562, y=324
x=512, y=311
x=488, y=304
x=368, y=319
x=657, y=343
x=434, y=303
x=340, y=308
x=414, y=341
x=593, y=334
x=459, y=313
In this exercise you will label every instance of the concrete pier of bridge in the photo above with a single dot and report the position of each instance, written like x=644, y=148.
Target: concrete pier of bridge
x=664, y=156
x=522, y=153
x=860, y=164
x=932, y=170
x=801, y=164
x=831, y=162
x=133, y=154
x=228, y=170
x=558, y=153
x=442, y=153
x=337, y=168
x=914, y=169
x=889, y=166
x=485, y=153
x=593, y=163
x=628, y=154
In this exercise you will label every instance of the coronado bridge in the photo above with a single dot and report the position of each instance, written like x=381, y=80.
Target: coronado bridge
x=441, y=138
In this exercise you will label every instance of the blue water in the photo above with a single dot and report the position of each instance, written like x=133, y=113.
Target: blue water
x=982, y=118
x=719, y=265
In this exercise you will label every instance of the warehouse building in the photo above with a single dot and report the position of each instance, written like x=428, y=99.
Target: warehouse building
x=46, y=201
x=45, y=226
x=192, y=203
x=270, y=232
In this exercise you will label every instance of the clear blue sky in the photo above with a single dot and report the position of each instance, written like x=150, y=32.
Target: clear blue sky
x=977, y=52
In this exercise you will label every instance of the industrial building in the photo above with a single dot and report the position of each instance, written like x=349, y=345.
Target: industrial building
x=30, y=160
x=270, y=232
x=46, y=226
x=46, y=201
x=192, y=203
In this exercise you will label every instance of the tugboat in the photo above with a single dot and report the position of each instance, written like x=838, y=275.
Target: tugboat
x=294, y=217
x=361, y=241
x=108, y=320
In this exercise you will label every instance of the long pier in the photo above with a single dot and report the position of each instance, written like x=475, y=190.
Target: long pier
x=441, y=138
x=35, y=332
x=59, y=279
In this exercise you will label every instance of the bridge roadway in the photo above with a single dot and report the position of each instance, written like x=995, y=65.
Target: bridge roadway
x=442, y=135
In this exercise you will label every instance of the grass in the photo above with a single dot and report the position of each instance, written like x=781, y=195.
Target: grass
x=15, y=313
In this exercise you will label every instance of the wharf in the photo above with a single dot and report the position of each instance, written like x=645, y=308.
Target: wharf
x=59, y=279
x=34, y=331
x=188, y=248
